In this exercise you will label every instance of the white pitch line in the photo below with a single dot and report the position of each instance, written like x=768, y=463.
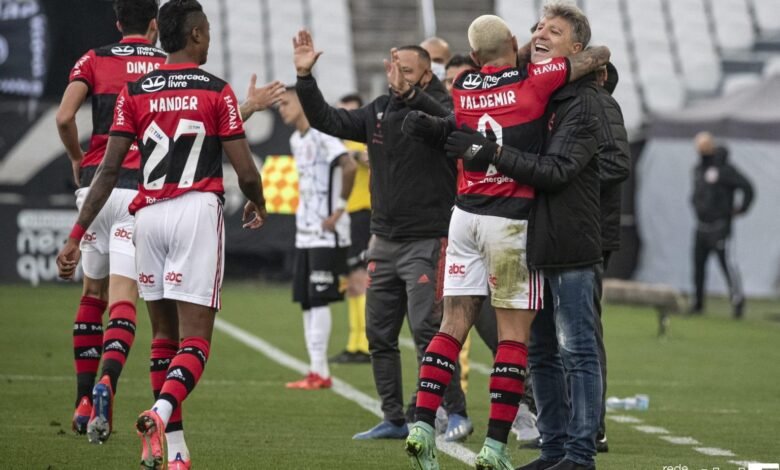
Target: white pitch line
x=624, y=419
x=340, y=387
x=651, y=429
x=479, y=367
x=681, y=440
x=714, y=451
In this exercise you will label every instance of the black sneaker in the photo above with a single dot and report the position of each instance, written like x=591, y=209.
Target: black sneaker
x=739, y=309
x=346, y=357
x=601, y=444
x=341, y=358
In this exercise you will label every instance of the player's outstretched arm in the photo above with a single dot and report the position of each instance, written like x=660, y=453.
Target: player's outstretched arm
x=72, y=99
x=304, y=55
x=588, y=61
x=260, y=98
x=102, y=185
x=240, y=157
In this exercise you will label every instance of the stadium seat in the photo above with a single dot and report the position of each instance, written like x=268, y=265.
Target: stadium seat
x=772, y=66
x=245, y=45
x=520, y=16
x=694, y=47
x=739, y=81
x=733, y=25
x=767, y=15
x=332, y=30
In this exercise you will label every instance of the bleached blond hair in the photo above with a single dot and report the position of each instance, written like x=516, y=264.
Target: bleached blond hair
x=489, y=37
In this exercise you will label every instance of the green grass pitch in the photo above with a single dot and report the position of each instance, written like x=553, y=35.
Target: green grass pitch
x=712, y=379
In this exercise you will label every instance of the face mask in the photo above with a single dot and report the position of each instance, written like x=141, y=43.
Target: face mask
x=439, y=70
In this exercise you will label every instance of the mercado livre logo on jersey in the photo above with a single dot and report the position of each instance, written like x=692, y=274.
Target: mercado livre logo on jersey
x=152, y=84
x=122, y=50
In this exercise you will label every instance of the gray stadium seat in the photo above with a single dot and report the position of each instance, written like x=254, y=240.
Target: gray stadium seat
x=736, y=82
x=332, y=30
x=733, y=25
x=767, y=15
x=520, y=16
x=693, y=44
x=772, y=66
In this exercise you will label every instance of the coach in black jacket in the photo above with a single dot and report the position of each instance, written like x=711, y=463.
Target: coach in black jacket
x=412, y=193
x=715, y=182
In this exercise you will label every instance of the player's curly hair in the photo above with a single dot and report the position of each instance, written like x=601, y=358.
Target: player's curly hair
x=135, y=15
x=176, y=20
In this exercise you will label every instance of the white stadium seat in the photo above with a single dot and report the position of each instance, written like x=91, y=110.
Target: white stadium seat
x=733, y=25
x=767, y=15
x=772, y=66
x=739, y=81
x=520, y=16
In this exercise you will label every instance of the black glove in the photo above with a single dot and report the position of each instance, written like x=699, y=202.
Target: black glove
x=471, y=145
x=426, y=128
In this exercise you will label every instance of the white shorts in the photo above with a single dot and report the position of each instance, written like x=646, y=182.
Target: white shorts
x=486, y=254
x=180, y=249
x=107, y=246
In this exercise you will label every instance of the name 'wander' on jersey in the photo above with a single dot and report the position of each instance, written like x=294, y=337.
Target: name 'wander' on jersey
x=319, y=186
x=179, y=116
x=106, y=70
x=508, y=105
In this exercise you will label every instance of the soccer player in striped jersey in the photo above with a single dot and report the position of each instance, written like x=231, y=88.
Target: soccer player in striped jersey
x=109, y=254
x=182, y=118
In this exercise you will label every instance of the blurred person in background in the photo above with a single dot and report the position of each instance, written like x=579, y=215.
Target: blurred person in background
x=457, y=64
x=359, y=209
x=326, y=173
x=412, y=192
x=439, y=51
x=109, y=253
x=715, y=183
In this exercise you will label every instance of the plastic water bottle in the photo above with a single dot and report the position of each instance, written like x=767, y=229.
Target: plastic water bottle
x=637, y=402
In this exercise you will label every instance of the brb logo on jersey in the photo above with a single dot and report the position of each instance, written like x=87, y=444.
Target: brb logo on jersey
x=122, y=50
x=152, y=84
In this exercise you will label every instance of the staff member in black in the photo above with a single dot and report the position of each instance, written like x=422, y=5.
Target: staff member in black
x=715, y=182
x=412, y=193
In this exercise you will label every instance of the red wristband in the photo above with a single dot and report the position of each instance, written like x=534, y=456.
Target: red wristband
x=77, y=232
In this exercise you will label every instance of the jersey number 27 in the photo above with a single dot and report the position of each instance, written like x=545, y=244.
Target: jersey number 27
x=166, y=148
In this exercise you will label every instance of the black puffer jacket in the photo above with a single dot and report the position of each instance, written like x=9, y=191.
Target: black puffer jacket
x=614, y=162
x=564, y=225
x=714, y=183
x=412, y=185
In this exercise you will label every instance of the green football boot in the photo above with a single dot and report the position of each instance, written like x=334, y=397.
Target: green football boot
x=421, y=447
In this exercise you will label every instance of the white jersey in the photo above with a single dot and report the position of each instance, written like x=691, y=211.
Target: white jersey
x=319, y=187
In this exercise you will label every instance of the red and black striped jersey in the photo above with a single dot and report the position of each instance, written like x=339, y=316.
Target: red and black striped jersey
x=106, y=70
x=179, y=115
x=507, y=104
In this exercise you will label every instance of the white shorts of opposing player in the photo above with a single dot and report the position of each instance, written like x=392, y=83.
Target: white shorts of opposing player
x=107, y=246
x=487, y=255
x=180, y=249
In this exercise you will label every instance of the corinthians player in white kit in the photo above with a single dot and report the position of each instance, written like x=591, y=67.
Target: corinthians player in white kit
x=326, y=174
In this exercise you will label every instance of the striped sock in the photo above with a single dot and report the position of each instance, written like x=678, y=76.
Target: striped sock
x=436, y=369
x=507, y=383
x=87, y=344
x=183, y=374
x=118, y=339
